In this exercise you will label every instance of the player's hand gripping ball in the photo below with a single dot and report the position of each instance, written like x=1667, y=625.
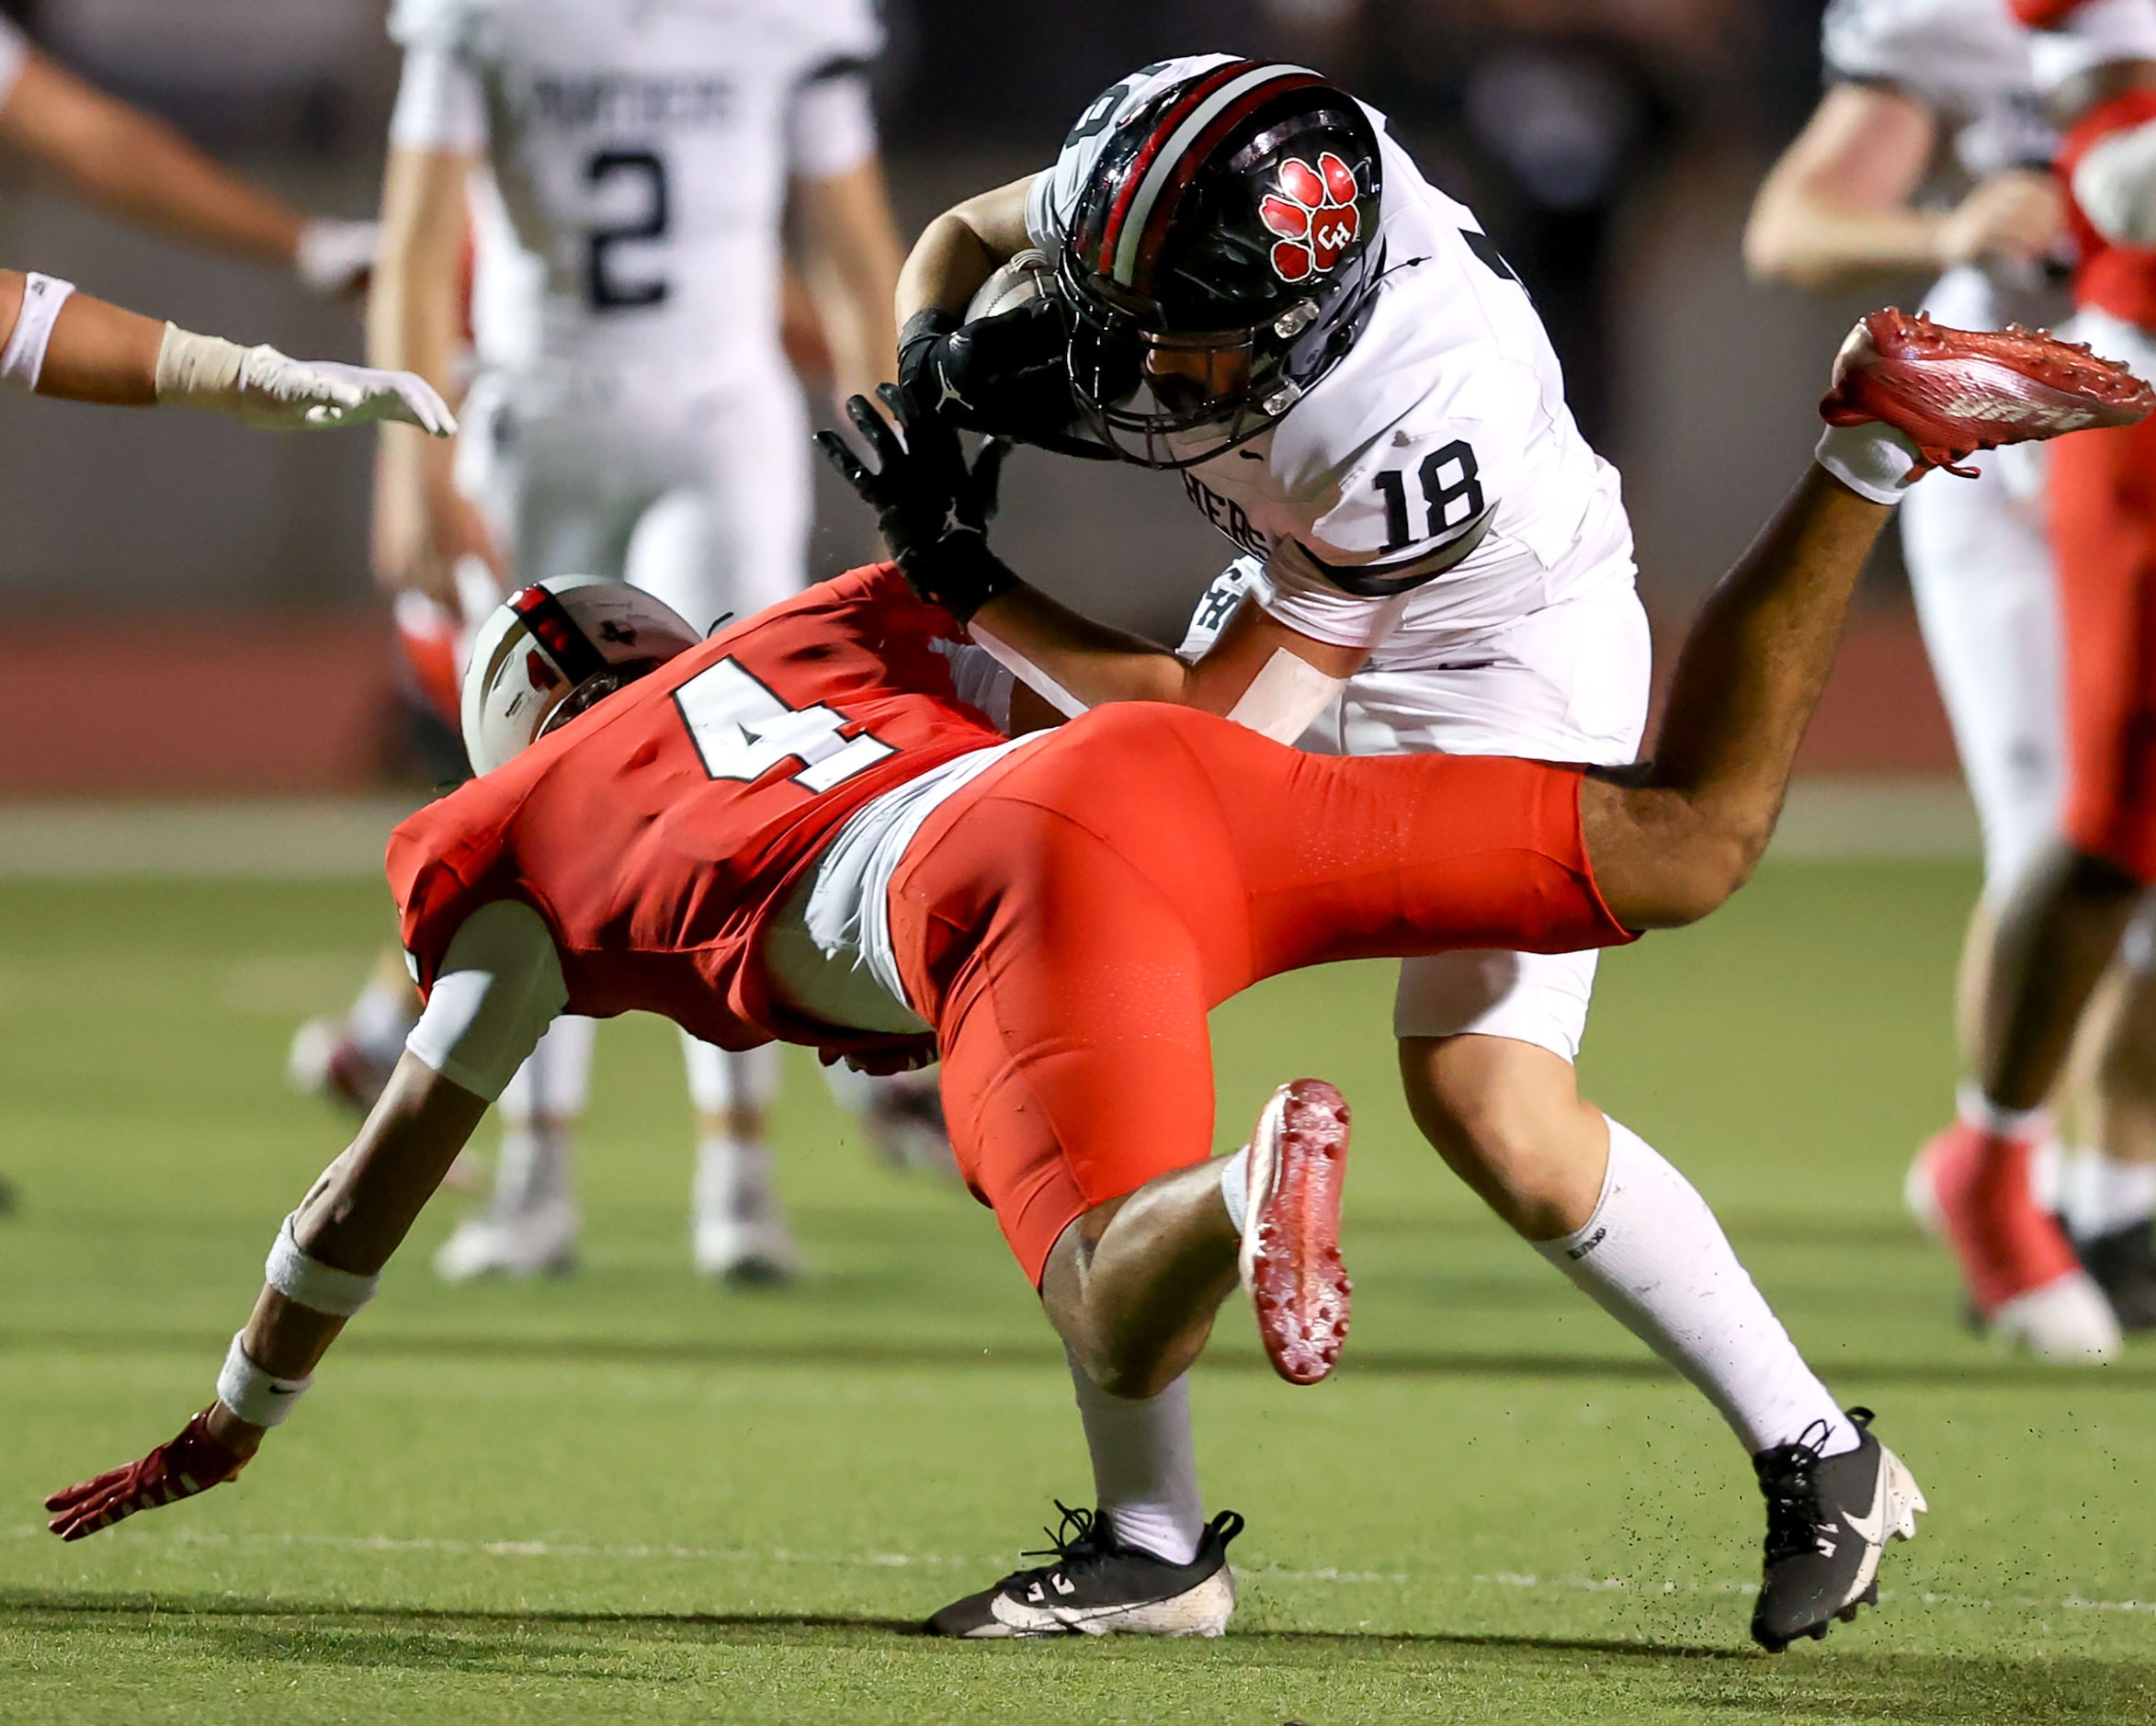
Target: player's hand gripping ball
x=932, y=509
x=1004, y=369
x=179, y=1469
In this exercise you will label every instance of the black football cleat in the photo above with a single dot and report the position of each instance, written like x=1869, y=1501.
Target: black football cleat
x=1096, y=1588
x=1828, y=1520
x=2123, y=1265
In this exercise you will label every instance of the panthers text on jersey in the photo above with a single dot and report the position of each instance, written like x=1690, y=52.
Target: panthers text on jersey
x=641, y=151
x=659, y=834
x=1433, y=482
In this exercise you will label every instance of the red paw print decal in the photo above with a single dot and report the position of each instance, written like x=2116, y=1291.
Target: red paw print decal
x=1314, y=215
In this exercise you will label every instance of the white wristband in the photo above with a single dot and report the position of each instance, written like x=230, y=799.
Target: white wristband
x=308, y=1282
x=1871, y=460
x=259, y=1398
x=23, y=360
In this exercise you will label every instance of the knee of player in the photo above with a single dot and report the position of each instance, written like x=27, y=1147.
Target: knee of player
x=1663, y=861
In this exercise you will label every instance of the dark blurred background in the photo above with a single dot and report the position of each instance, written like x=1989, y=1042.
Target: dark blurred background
x=1611, y=146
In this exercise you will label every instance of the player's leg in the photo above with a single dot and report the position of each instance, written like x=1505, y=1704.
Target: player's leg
x=2108, y=1190
x=2059, y=928
x=1981, y=575
x=738, y=1231
x=558, y=487
x=346, y=1058
x=1489, y=1042
x=1986, y=593
x=530, y=1225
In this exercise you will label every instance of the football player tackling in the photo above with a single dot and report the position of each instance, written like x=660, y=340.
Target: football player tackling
x=805, y=828
x=1251, y=283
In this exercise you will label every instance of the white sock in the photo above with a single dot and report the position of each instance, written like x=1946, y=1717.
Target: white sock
x=1144, y=1467
x=1653, y=1257
x=2102, y=1195
x=1979, y=1111
x=1235, y=1186
x=733, y=1179
x=1871, y=460
x=538, y=1164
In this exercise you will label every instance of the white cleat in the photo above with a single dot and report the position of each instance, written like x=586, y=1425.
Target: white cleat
x=760, y=1252
x=539, y=1240
x=2067, y=1322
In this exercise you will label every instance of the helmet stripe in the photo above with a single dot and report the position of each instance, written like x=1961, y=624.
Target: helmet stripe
x=1162, y=130
x=1185, y=169
x=1168, y=154
x=552, y=626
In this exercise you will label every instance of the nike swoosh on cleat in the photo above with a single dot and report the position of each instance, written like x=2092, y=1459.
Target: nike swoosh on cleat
x=1871, y=1529
x=1874, y=1526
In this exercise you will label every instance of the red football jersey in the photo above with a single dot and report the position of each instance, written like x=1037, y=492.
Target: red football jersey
x=659, y=832
x=2120, y=279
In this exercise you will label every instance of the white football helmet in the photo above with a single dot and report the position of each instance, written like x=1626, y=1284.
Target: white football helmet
x=551, y=641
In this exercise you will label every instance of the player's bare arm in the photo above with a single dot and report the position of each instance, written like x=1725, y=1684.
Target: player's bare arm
x=423, y=524
x=1839, y=203
x=136, y=168
x=934, y=511
x=961, y=249
x=67, y=344
x=501, y=985
x=850, y=257
x=322, y=1270
x=1674, y=837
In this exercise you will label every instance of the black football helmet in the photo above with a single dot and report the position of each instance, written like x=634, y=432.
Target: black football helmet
x=1222, y=256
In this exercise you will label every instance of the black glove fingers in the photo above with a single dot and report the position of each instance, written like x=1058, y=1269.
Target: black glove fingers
x=986, y=478
x=883, y=443
x=848, y=465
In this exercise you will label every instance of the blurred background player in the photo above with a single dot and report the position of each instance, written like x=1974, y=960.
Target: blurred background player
x=627, y=181
x=1921, y=93
x=137, y=169
x=2061, y=929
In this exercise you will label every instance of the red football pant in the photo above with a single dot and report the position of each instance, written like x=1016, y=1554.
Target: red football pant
x=1067, y=921
x=2103, y=499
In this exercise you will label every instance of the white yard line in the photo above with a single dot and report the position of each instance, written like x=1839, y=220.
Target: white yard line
x=1327, y=1576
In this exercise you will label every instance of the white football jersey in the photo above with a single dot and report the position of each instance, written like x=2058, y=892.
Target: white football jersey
x=1433, y=482
x=643, y=149
x=1968, y=61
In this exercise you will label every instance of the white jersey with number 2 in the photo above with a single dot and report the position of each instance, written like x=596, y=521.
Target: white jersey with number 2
x=642, y=150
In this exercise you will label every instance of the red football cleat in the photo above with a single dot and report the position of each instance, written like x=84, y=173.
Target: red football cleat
x=1952, y=392
x=1292, y=1229
x=2016, y=1263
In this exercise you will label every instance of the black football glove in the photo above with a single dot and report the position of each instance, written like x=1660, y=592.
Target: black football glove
x=1008, y=376
x=932, y=509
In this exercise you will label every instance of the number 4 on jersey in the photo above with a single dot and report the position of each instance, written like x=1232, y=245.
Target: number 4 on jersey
x=743, y=731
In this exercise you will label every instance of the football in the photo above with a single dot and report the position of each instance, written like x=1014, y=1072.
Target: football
x=1020, y=282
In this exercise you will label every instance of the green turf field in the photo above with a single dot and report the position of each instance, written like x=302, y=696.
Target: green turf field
x=630, y=1496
